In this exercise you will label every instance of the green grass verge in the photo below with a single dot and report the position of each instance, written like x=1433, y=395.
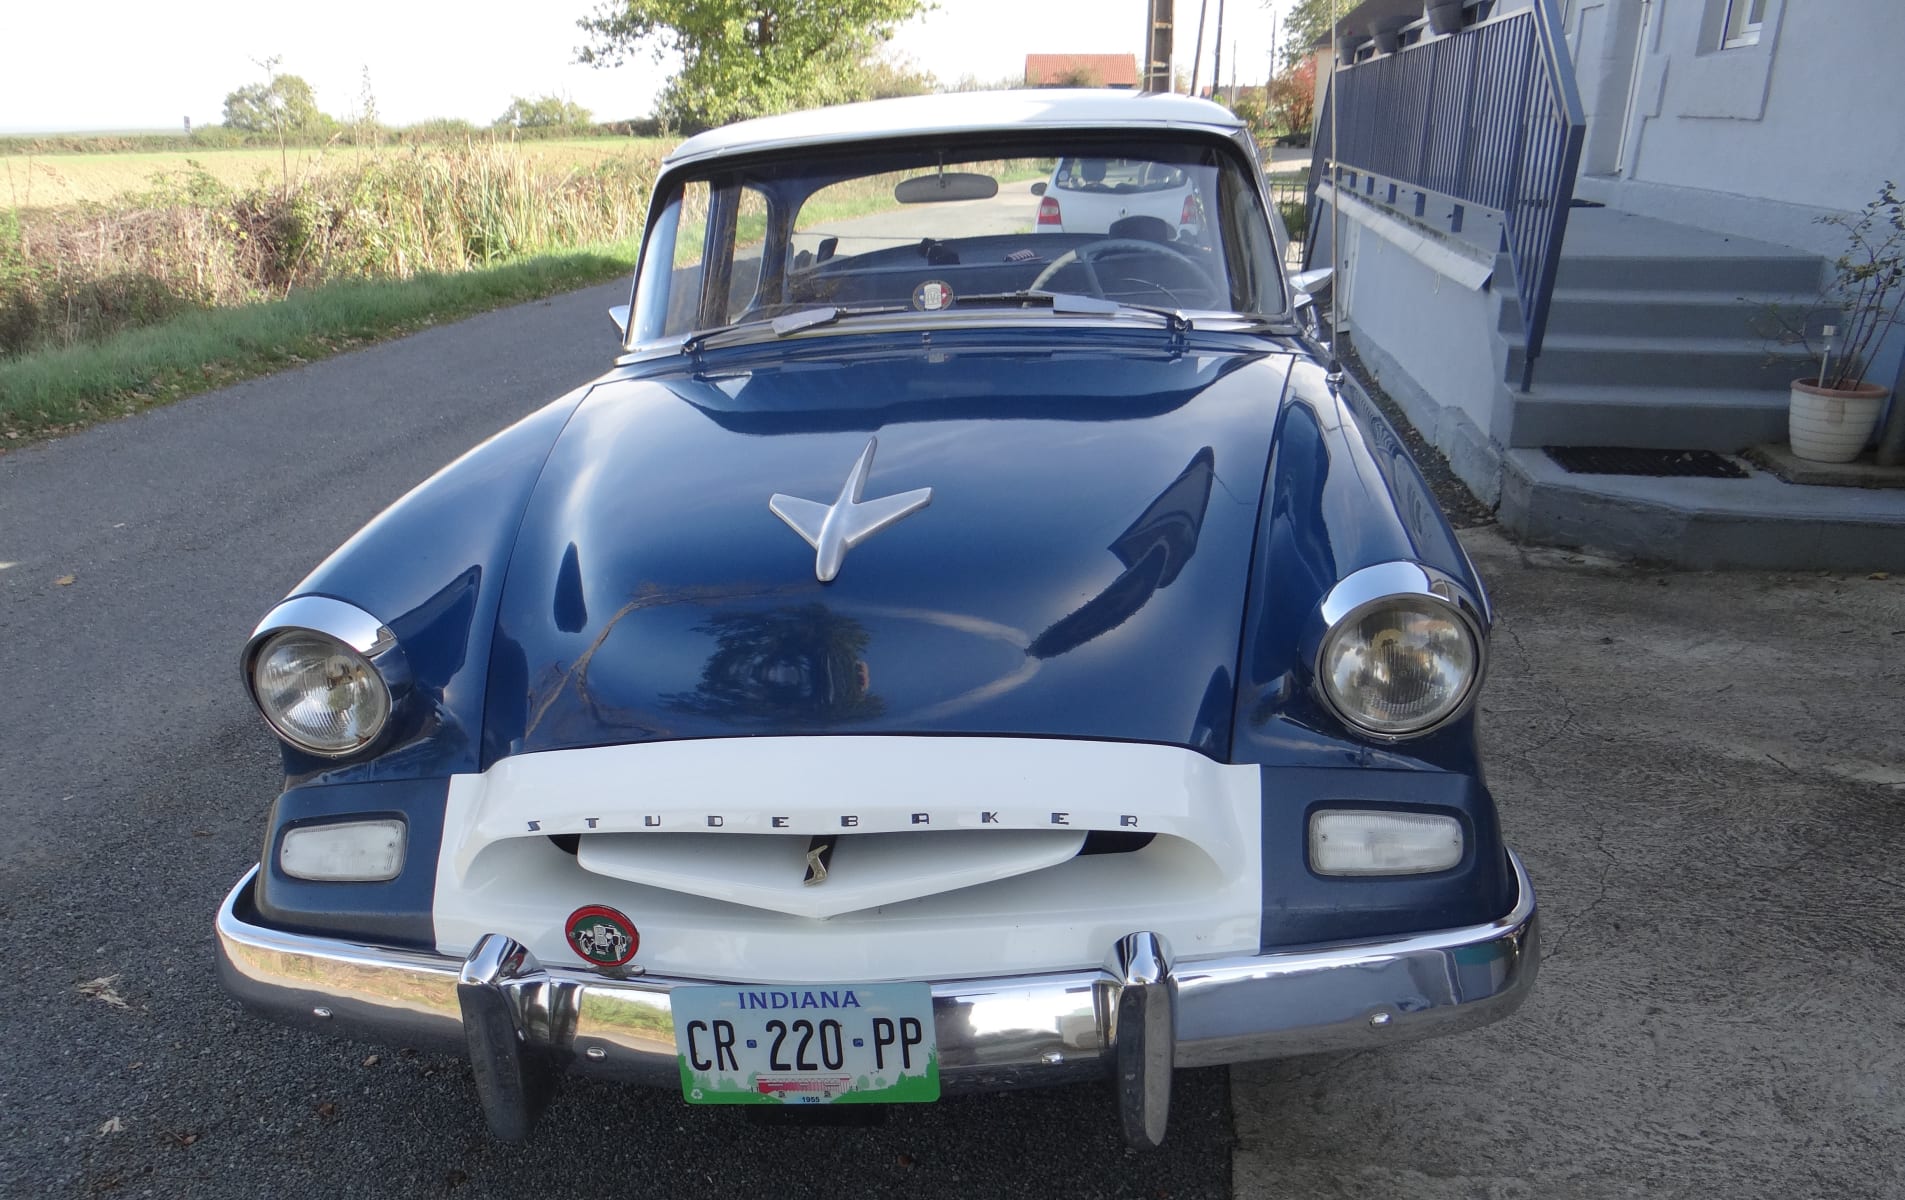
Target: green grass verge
x=55, y=391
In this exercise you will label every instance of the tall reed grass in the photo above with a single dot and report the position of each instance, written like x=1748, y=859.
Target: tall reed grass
x=190, y=242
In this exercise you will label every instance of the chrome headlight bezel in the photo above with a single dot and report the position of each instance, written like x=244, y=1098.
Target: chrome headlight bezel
x=1420, y=587
x=355, y=632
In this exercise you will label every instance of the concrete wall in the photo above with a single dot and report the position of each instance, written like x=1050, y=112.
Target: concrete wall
x=1805, y=122
x=1428, y=340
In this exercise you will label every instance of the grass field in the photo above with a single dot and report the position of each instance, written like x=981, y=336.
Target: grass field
x=49, y=181
x=57, y=390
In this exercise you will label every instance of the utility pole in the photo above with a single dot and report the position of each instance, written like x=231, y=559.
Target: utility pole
x=1217, y=55
x=1157, y=47
x=1197, y=55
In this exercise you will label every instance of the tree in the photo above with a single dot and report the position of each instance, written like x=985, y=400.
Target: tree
x=283, y=104
x=1293, y=98
x=1306, y=24
x=543, y=112
x=1249, y=107
x=745, y=58
x=1077, y=77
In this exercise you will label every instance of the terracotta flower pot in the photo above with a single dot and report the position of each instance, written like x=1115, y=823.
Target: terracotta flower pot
x=1832, y=424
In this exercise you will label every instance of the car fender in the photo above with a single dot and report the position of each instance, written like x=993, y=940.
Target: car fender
x=430, y=567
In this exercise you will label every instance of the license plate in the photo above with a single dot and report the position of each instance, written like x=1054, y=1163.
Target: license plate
x=867, y=1044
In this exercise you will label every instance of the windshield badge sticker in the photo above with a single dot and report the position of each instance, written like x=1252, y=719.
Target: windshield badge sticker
x=833, y=529
x=933, y=295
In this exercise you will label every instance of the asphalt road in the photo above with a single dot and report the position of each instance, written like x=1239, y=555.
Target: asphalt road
x=134, y=776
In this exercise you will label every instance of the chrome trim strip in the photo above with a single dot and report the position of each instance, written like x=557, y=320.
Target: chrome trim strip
x=345, y=622
x=992, y=1033
x=349, y=624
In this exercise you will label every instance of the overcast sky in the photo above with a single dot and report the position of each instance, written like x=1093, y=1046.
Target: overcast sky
x=114, y=64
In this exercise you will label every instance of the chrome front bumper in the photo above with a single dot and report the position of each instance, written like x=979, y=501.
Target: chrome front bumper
x=1135, y=1019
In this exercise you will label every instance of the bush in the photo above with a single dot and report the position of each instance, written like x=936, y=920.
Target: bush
x=1296, y=217
x=188, y=241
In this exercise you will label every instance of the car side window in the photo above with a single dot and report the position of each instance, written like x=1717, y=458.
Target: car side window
x=668, y=291
x=750, y=241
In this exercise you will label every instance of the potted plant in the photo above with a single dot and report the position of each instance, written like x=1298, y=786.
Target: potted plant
x=1832, y=415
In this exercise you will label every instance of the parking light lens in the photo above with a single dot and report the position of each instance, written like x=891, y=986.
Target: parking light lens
x=318, y=693
x=1360, y=842
x=359, y=851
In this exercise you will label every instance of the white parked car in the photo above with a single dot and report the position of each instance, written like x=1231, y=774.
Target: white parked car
x=1090, y=195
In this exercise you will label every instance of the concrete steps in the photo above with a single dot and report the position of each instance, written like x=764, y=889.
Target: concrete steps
x=1616, y=312
x=1658, y=336
x=1665, y=337
x=1662, y=418
x=1599, y=360
x=1756, y=522
x=1789, y=273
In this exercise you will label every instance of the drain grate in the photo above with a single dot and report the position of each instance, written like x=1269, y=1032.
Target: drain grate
x=1624, y=460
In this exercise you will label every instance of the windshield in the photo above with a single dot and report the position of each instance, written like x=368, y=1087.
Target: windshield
x=1146, y=220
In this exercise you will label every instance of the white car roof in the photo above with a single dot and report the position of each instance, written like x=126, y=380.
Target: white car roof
x=956, y=112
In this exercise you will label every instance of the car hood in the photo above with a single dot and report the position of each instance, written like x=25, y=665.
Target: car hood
x=1080, y=571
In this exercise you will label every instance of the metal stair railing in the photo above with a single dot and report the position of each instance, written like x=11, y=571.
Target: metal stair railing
x=1487, y=116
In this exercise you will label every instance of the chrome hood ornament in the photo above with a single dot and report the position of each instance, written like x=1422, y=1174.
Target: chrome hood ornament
x=834, y=529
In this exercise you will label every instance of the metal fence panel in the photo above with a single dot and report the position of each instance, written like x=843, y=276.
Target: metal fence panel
x=1487, y=116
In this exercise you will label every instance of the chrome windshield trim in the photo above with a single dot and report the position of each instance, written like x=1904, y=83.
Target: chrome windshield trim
x=947, y=320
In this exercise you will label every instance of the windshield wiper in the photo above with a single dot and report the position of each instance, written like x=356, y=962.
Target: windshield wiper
x=784, y=324
x=1073, y=302
x=826, y=314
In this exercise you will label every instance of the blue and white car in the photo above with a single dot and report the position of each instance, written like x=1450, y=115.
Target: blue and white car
x=937, y=655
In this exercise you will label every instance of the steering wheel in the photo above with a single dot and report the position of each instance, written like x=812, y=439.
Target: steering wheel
x=1088, y=254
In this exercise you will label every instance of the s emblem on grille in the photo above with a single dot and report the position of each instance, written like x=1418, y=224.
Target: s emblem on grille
x=819, y=854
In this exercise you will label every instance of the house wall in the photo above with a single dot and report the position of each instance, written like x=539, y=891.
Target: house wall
x=1426, y=339
x=1757, y=140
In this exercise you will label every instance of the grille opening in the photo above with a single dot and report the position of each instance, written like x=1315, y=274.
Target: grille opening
x=1115, y=841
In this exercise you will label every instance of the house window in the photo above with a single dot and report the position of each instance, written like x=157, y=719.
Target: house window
x=1743, y=21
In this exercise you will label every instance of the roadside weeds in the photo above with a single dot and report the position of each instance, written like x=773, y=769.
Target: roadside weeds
x=52, y=392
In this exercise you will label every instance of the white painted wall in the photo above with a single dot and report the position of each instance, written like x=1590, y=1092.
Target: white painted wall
x=1756, y=140
x=1428, y=340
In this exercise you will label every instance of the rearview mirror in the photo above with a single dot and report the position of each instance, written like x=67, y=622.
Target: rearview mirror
x=946, y=185
x=1038, y=189
x=619, y=315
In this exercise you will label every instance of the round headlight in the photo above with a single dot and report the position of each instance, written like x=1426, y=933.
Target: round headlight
x=318, y=693
x=1399, y=665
